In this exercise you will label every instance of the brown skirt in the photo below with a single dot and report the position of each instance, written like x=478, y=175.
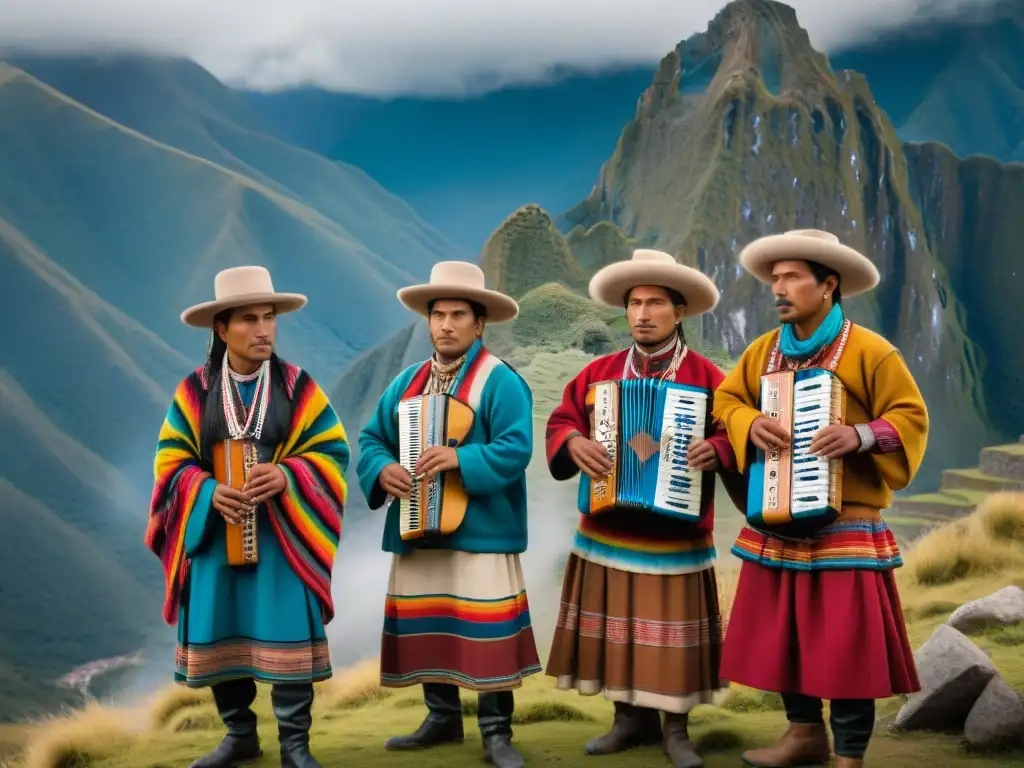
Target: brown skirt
x=644, y=639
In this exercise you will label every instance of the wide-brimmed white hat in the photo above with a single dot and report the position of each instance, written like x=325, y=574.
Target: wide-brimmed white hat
x=459, y=280
x=611, y=284
x=856, y=272
x=240, y=287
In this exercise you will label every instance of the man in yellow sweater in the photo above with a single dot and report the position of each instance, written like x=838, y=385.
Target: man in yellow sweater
x=819, y=617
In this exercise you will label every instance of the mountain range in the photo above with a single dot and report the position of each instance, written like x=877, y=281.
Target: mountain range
x=127, y=181
x=465, y=163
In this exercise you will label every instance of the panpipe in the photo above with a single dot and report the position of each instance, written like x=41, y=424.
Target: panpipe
x=233, y=460
x=647, y=427
x=437, y=505
x=792, y=492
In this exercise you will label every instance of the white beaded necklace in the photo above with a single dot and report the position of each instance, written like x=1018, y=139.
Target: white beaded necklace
x=669, y=374
x=260, y=399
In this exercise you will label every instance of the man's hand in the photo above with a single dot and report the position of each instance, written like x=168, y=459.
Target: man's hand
x=265, y=481
x=590, y=456
x=702, y=456
x=395, y=480
x=440, y=458
x=834, y=441
x=231, y=503
x=768, y=434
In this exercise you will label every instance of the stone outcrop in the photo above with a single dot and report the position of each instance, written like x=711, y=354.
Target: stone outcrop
x=961, y=689
x=999, y=609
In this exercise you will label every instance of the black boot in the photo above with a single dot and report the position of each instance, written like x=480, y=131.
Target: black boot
x=678, y=746
x=494, y=716
x=442, y=724
x=632, y=727
x=292, y=704
x=241, y=744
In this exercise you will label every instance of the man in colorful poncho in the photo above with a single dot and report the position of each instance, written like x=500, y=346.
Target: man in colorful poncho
x=639, y=617
x=262, y=622
x=819, y=617
x=456, y=612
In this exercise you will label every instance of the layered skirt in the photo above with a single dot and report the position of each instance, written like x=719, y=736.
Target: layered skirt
x=457, y=617
x=649, y=640
x=831, y=634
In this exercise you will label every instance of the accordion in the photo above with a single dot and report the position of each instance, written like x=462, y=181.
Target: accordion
x=436, y=506
x=791, y=492
x=232, y=462
x=647, y=426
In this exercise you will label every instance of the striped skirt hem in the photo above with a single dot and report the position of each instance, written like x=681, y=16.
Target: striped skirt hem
x=198, y=666
x=459, y=618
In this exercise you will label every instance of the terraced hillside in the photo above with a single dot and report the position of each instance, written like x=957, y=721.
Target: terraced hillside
x=1000, y=468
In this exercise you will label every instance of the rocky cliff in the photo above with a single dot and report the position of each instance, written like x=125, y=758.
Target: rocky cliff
x=747, y=131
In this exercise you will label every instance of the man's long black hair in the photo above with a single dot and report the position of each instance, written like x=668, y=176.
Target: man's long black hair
x=214, y=425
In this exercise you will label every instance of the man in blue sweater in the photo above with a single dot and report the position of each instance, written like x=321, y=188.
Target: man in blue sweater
x=456, y=613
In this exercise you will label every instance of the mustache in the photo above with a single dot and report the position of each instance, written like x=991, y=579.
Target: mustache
x=783, y=303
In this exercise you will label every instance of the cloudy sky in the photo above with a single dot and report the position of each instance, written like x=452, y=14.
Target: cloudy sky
x=426, y=47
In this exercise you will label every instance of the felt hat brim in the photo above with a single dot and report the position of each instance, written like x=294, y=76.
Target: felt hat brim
x=201, y=315
x=611, y=284
x=856, y=272
x=500, y=308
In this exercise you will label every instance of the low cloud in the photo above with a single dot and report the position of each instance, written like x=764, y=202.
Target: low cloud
x=392, y=47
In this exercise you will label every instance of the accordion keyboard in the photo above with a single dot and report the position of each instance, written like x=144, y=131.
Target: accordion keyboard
x=812, y=412
x=410, y=421
x=683, y=421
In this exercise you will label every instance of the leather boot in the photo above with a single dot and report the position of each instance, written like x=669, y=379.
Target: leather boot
x=241, y=744
x=494, y=717
x=678, y=747
x=632, y=727
x=292, y=705
x=802, y=744
x=442, y=724
x=847, y=762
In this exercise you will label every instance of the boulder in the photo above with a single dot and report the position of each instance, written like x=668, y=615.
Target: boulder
x=997, y=717
x=998, y=609
x=953, y=673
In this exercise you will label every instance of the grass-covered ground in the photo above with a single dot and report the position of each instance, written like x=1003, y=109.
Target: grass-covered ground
x=353, y=717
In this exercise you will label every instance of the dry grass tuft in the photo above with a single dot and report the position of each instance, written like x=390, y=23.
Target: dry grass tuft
x=194, y=719
x=353, y=687
x=727, y=579
x=77, y=740
x=169, y=702
x=988, y=541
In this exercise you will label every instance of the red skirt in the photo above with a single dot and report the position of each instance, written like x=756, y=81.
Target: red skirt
x=827, y=634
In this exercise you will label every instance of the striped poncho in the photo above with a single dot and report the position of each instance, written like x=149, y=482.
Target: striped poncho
x=306, y=516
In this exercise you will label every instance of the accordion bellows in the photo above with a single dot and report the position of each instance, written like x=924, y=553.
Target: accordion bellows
x=647, y=426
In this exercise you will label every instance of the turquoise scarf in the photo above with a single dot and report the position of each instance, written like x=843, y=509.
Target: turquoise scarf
x=795, y=349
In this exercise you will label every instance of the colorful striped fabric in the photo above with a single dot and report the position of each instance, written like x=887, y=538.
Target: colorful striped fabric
x=845, y=544
x=634, y=549
x=477, y=635
x=306, y=517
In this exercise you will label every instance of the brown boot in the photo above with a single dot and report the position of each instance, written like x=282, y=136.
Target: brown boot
x=848, y=762
x=632, y=727
x=802, y=744
x=678, y=747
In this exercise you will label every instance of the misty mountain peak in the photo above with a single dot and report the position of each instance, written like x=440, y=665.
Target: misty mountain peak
x=759, y=38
